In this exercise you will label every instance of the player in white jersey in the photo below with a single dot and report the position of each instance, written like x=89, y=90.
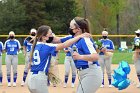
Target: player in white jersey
x=136, y=56
x=41, y=56
x=1, y=50
x=11, y=46
x=27, y=45
x=69, y=63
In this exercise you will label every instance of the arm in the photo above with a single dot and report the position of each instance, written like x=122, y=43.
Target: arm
x=24, y=50
x=89, y=57
x=68, y=42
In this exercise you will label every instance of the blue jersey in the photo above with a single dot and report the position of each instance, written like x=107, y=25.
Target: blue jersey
x=136, y=38
x=1, y=48
x=68, y=53
x=12, y=47
x=42, y=56
x=54, y=53
x=84, y=46
x=107, y=43
x=28, y=45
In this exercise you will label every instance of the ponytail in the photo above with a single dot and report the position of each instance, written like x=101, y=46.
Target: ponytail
x=33, y=47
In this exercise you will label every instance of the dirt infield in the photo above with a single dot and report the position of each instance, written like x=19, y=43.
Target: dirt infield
x=59, y=89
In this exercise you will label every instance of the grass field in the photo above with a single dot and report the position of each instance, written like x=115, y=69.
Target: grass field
x=117, y=57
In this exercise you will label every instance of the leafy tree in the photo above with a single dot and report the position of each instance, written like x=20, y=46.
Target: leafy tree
x=59, y=14
x=12, y=16
x=35, y=11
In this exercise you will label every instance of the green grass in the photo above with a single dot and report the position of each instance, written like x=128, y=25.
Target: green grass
x=117, y=57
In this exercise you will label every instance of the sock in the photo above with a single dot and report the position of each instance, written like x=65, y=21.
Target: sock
x=24, y=76
x=73, y=78
x=9, y=77
x=109, y=80
x=66, y=78
x=103, y=80
x=15, y=77
x=138, y=77
x=0, y=79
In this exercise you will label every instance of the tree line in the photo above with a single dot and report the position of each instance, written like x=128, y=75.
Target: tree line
x=117, y=16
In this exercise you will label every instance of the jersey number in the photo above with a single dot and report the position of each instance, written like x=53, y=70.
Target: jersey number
x=36, y=57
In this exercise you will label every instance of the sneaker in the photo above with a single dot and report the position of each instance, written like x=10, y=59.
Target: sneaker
x=102, y=86
x=65, y=85
x=54, y=85
x=138, y=86
x=14, y=84
x=110, y=86
x=9, y=84
x=0, y=83
x=22, y=83
x=72, y=85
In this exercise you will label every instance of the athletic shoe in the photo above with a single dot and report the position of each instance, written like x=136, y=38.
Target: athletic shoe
x=65, y=85
x=72, y=85
x=14, y=84
x=138, y=86
x=54, y=85
x=9, y=84
x=110, y=86
x=102, y=86
x=22, y=83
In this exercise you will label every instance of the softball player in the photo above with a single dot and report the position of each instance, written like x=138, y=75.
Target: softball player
x=11, y=46
x=27, y=45
x=105, y=60
x=136, y=56
x=86, y=57
x=1, y=50
x=69, y=63
x=41, y=56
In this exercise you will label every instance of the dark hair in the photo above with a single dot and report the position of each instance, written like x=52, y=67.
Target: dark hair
x=42, y=31
x=83, y=24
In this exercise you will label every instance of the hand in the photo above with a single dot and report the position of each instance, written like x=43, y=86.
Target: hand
x=76, y=56
x=103, y=50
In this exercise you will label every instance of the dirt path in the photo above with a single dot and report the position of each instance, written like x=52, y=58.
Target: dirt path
x=4, y=89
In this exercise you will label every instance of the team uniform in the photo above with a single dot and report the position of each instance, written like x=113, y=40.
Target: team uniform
x=11, y=47
x=1, y=49
x=69, y=63
x=40, y=66
x=90, y=72
x=137, y=63
x=104, y=60
x=28, y=47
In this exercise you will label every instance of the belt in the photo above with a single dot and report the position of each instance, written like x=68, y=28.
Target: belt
x=87, y=66
x=36, y=72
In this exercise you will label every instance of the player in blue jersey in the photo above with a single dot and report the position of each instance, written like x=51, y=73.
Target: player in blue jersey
x=85, y=57
x=41, y=56
x=1, y=50
x=11, y=46
x=27, y=45
x=106, y=60
x=69, y=63
x=136, y=56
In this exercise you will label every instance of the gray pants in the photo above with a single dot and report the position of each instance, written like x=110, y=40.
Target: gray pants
x=11, y=60
x=90, y=79
x=105, y=62
x=137, y=66
x=27, y=61
x=0, y=66
x=37, y=83
x=69, y=63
